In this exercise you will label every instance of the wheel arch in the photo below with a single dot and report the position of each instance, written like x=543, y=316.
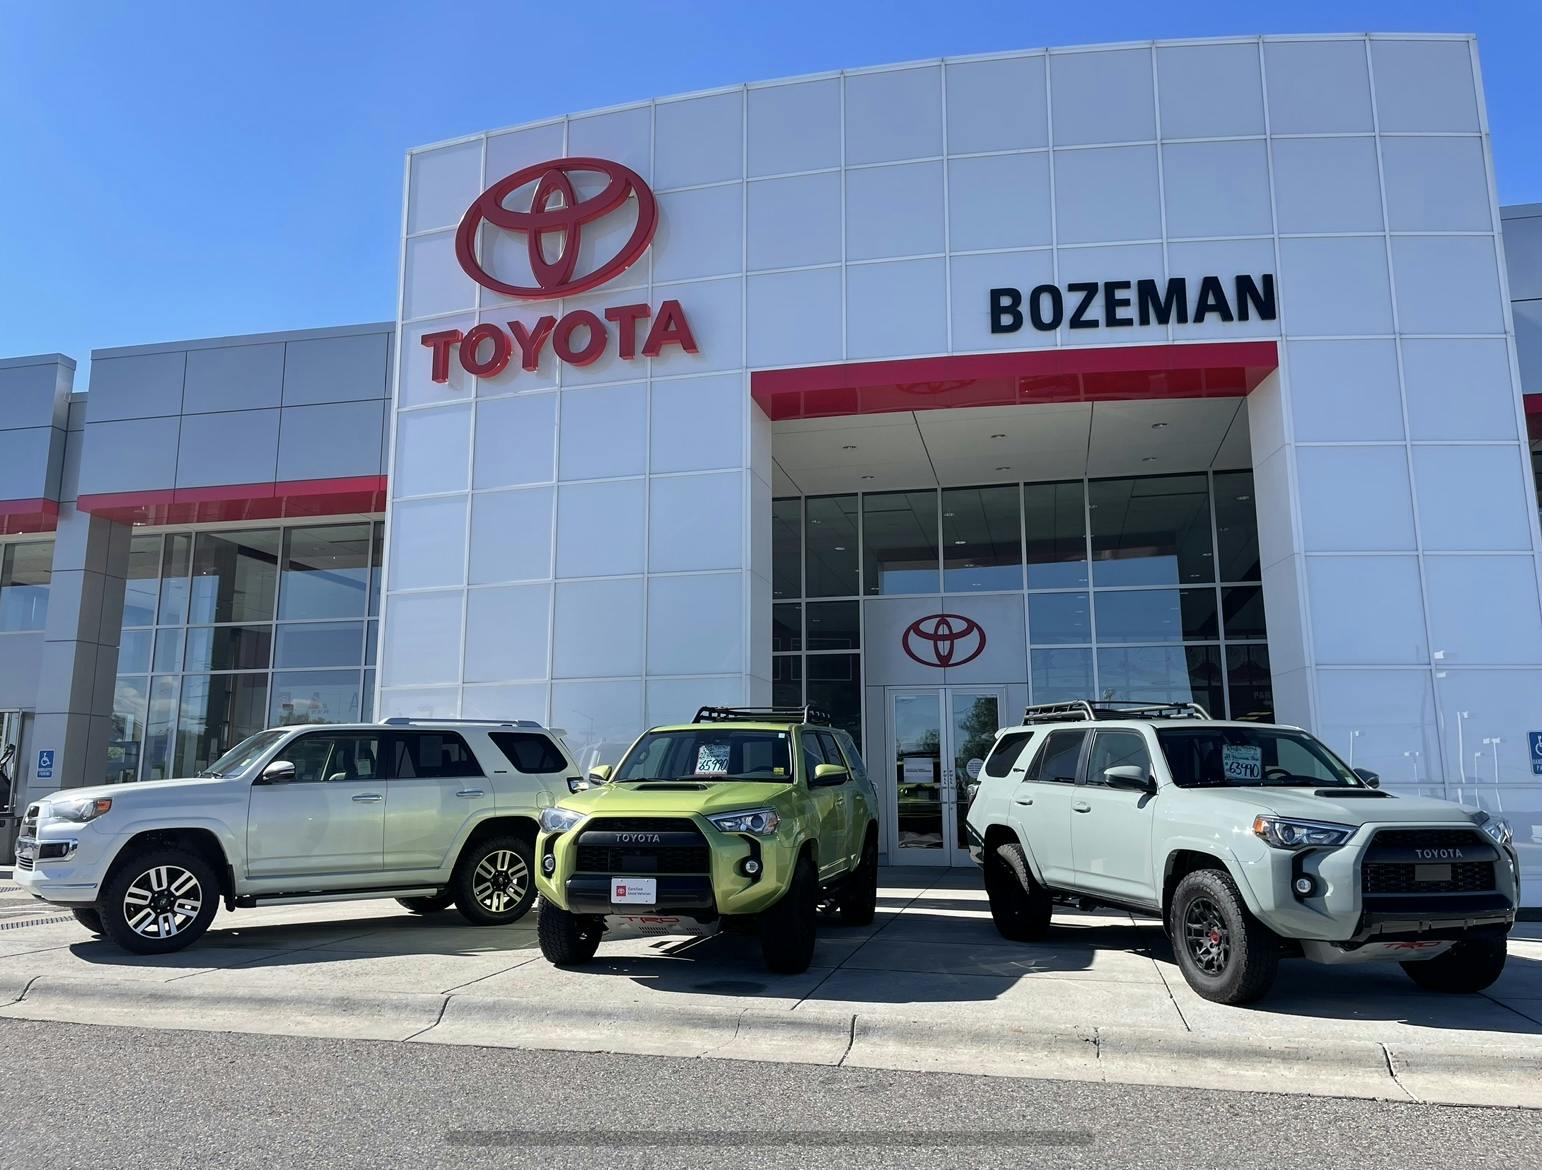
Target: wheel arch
x=201, y=841
x=523, y=827
x=998, y=834
x=1186, y=859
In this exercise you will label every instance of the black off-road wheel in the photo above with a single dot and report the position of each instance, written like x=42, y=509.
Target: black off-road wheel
x=88, y=917
x=494, y=881
x=159, y=901
x=567, y=940
x=1226, y=955
x=1020, y=907
x=1465, y=969
x=859, y=894
x=429, y=905
x=787, y=928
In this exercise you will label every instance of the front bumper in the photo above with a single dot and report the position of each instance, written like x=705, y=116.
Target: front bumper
x=67, y=865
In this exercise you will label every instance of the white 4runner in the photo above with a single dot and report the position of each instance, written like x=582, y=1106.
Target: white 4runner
x=427, y=812
x=1249, y=840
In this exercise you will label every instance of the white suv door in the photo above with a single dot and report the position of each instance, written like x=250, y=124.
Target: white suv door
x=436, y=787
x=330, y=819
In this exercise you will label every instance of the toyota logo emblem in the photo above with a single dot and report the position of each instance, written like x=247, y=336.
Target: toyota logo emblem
x=555, y=221
x=943, y=639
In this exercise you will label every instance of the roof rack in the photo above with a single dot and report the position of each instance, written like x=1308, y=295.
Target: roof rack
x=414, y=721
x=1094, y=709
x=803, y=714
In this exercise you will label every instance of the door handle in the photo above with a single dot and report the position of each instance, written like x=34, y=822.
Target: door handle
x=367, y=797
x=1024, y=800
x=469, y=792
x=1081, y=806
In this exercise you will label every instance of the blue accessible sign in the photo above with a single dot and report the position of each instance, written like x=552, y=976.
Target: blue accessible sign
x=1536, y=752
x=45, y=764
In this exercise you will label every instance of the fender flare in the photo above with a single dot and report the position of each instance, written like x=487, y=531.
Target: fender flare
x=1210, y=847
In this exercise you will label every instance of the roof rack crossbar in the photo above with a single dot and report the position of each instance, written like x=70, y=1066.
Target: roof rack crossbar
x=804, y=714
x=1095, y=709
x=414, y=721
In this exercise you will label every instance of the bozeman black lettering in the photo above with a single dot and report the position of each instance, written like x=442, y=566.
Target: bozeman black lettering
x=1212, y=299
x=1248, y=294
x=1089, y=290
x=1113, y=302
x=1056, y=304
x=1171, y=305
x=1006, y=310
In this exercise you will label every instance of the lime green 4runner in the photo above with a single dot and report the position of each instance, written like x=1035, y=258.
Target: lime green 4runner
x=743, y=819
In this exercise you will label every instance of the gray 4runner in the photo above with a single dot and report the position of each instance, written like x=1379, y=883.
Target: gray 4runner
x=1252, y=841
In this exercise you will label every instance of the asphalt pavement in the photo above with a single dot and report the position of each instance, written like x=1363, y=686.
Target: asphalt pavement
x=84, y=1096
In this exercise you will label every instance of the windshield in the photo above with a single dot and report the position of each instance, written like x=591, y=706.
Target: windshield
x=244, y=754
x=709, y=754
x=1249, y=757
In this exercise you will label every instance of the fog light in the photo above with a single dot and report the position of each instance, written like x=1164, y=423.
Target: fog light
x=549, y=864
x=1304, y=886
x=751, y=866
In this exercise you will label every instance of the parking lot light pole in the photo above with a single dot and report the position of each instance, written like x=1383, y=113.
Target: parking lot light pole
x=1354, y=734
x=1414, y=756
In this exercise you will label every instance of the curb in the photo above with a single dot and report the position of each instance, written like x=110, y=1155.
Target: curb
x=1497, y=1075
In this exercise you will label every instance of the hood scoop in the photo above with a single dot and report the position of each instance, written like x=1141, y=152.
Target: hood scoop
x=671, y=786
x=1353, y=794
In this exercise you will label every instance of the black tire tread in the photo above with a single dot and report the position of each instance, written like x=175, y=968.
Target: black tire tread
x=110, y=904
x=1466, y=969
x=567, y=940
x=465, y=868
x=859, y=894
x=1255, y=949
x=787, y=928
x=1020, y=907
x=90, y=918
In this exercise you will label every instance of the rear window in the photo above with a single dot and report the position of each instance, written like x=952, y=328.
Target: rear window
x=1004, y=755
x=529, y=752
x=433, y=755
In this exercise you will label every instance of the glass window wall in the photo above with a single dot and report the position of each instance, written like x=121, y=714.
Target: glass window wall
x=26, y=571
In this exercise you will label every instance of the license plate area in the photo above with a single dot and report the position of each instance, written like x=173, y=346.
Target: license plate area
x=634, y=891
x=1432, y=873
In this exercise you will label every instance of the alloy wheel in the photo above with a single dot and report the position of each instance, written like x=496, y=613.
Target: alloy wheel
x=500, y=880
x=162, y=902
x=1206, y=936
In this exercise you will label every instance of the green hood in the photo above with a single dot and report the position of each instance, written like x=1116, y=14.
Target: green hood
x=662, y=798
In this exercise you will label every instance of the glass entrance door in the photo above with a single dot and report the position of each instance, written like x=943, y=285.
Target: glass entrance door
x=938, y=739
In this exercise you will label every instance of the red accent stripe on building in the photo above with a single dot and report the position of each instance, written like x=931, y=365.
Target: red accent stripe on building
x=1099, y=374
x=1533, y=415
x=19, y=516
x=247, y=501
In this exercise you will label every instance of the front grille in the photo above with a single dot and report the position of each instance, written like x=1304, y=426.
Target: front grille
x=1393, y=877
x=684, y=850
x=1429, y=838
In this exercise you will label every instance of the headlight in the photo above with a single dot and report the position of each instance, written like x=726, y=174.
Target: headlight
x=761, y=822
x=1289, y=833
x=559, y=820
x=1496, y=827
x=80, y=810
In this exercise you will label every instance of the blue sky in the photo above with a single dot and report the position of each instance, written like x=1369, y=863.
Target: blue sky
x=187, y=170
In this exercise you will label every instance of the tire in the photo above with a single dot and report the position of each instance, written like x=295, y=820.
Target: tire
x=494, y=881
x=567, y=940
x=787, y=928
x=1226, y=955
x=88, y=917
x=429, y=905
x=858, y=901
x=1020, y=907
x=1465, y=969
x=159, y=901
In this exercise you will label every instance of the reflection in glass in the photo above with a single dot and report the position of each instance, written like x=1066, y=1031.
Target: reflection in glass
x=217, y=712
x=26, y=570
x=1059, y=618
x=143, y=583
x=371, y=642
x=228, y=648
x=918, y=769
x=160, y=717
x=134, y=651
x=130, y=706
x=377, y=548
x=168, y=651
x=834, y=685
x=975, y=720
x=899, y=542
x=830, y=530
x=1151, y=530
x=174, y=568
x=787, y=548
x=834, y=625
x=318, y=644
x=1251, y=690
x=1060, y=675
x=1163, y=674
x=367, y=699
x=235, y=575
x=314, y=696
x=1156, y=615
x=787, y=626
x=981, y=539
x=1236, y=526
x=326, y=572
x=787, y=680
x=1054, y=519
x=1244, y=609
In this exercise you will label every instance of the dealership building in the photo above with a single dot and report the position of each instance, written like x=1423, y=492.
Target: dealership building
x=1180, y=371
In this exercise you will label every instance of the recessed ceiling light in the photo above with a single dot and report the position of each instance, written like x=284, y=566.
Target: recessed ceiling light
x=947, y=515
x=1244, y=499
x=838, y=548
x=960, y=542
x=1159, y=426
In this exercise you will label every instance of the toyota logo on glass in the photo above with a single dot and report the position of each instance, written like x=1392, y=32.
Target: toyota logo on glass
x=553, y=226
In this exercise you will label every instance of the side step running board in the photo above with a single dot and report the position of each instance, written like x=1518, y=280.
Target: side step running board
x=251, y=900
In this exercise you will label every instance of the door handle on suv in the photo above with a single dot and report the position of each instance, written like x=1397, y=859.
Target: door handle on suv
x=469, y=792
x=1080, y=806
x=367, y=797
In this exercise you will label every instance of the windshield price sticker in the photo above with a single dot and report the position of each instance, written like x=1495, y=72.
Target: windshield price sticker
x=1242, y=762
x=712, y=759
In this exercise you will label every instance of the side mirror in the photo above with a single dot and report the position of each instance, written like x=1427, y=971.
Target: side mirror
x=278, y=772
x=1130, y=777
x=828, y=775
x=600, y=774
x=1372, y=779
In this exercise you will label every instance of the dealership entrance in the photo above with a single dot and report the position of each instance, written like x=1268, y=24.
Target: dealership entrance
x=938, y=740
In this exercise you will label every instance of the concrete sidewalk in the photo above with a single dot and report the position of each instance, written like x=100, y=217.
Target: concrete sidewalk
x=929, y=986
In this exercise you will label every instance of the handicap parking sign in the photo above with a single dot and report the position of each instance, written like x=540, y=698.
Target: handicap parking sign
x=1536, y=752
x=45, y=764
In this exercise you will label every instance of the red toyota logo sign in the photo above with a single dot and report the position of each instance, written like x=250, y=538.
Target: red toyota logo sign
x=557, y=217
x=943, y=639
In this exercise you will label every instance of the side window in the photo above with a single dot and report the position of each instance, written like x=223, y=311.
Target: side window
x=831, y=750
x=1056, y=761
x=433, y=755
x=529, y=752
x=853, y=757
x=1114, y=749
x=1005, y=754
x=338, y=758
x=813, y=754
